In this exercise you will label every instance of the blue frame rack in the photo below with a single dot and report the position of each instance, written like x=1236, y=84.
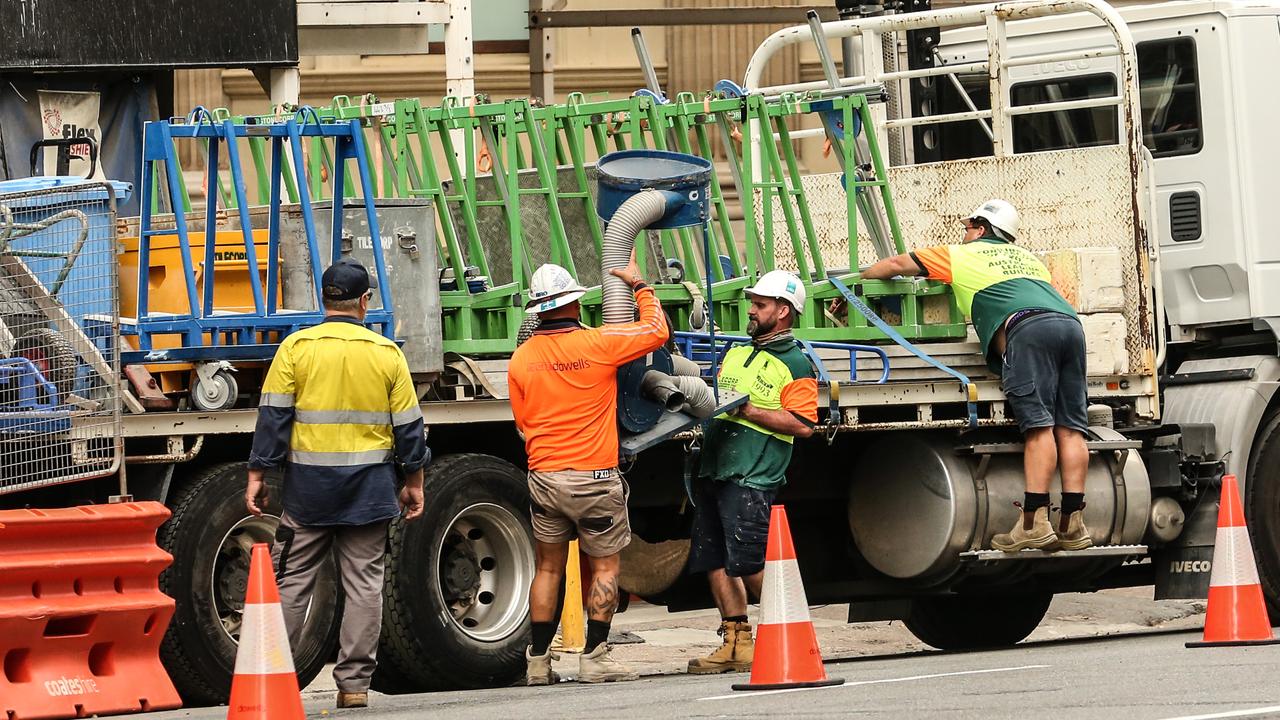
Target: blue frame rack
x=212, y=335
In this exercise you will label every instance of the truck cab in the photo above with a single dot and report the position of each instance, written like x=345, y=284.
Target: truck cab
x=1206, y=109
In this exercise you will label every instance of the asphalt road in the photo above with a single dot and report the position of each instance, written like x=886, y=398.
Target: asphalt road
x=1147, y=676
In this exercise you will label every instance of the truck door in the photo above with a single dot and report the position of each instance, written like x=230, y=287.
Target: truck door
x=1185, y=124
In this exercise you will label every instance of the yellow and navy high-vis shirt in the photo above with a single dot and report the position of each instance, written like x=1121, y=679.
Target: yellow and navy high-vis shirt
x=777, y=376
x=338, y=409
x=992, y=280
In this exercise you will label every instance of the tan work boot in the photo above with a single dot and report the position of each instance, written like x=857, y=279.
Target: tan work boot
x=1040, y=536
x=598, y=666
x=538, y=668
x=734, y=655
x=352, y=700
x=1072, y=534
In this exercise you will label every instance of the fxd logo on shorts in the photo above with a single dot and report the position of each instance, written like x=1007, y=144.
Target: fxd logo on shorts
x=1190, y=566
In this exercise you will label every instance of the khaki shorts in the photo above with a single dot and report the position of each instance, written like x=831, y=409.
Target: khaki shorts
x=589, y=505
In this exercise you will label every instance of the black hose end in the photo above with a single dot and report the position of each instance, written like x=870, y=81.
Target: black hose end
x=811, y=14
x=635, y=31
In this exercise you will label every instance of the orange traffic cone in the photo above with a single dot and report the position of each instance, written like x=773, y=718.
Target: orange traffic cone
x=265, y=686
x=787, y=654
x=1237, y=613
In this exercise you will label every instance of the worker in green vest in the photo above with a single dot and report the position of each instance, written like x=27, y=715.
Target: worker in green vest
x=744, y=461
x=1033, y=338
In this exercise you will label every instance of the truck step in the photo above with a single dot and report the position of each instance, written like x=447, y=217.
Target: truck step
x=1127, y=552
x=1017, y=448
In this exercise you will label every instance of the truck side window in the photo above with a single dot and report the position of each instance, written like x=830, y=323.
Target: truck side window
x=1059, y=129
x=1170, y=96
x=956, y=140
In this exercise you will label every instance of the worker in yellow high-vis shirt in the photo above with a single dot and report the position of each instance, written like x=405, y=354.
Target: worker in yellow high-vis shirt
x=338, y=414
x=1033, y=338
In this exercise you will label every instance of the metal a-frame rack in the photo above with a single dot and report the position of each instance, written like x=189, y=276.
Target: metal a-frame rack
x=512, y=184
x=210, y=335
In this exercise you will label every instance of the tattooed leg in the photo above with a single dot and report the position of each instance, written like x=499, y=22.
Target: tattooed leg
x=603, y=599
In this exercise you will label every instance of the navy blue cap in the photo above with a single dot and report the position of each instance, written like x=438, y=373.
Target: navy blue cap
x=345, y=280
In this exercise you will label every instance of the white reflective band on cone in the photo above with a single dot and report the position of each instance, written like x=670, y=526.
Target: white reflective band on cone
x=782, y=597
x=264, y=643
x=1233, y=559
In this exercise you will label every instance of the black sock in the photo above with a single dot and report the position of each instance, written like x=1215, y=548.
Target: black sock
x=736, y=618
x=543, y=634
x=1072, y=502
x=597, y=633
x=1034, y=501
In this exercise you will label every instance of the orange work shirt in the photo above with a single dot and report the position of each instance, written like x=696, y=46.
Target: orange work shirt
x=564, y=387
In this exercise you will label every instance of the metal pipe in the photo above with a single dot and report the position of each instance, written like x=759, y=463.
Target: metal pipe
x=964, y=94
x=646, y=62
x=824, y=53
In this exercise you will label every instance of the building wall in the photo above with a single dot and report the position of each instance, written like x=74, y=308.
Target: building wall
x=593, y=61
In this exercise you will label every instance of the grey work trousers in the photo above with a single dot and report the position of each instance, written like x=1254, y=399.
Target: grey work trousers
x=360, y=550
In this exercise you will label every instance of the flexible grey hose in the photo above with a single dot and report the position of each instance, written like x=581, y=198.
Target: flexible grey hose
x=682, y=365
x=635, y=214
x=662, y=389
x=699, y=401
x=531, y=323
x=679, y=393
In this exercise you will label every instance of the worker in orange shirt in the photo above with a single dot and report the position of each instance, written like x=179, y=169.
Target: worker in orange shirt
x=564, y=389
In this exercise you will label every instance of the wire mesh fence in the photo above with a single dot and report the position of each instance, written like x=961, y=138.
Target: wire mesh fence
x=59, y=334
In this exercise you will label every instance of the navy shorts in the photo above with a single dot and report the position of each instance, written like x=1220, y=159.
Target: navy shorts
x=730, y=528
x=1044, y=373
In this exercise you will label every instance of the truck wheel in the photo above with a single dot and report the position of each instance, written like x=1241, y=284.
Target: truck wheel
x=53, y=356
x=210, y=536
x=1262, y=511
x=968, y=622
x=456, y=604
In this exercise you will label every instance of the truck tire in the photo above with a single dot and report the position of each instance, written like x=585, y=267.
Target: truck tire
x=209, y=536
x=456, y=603
x=1262, y=510
x=53, y=356
x=969, y=622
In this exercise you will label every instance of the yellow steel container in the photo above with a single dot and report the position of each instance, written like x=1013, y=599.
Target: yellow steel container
x=168, y=291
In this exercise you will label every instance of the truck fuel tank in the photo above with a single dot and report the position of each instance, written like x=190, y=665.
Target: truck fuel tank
x=918, y=500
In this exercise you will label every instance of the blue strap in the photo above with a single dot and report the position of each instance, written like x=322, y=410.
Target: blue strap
x=968, y=385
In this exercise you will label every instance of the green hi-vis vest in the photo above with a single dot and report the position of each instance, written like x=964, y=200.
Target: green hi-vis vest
x=737, y=449
x=762, y=375
x=993, y=279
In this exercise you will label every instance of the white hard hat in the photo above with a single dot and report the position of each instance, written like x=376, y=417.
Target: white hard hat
x=1000, y=214
x=782, y=285
x=551, y=287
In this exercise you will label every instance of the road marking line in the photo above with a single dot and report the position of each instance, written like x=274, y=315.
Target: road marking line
x=1230, y=714
x=884, y=681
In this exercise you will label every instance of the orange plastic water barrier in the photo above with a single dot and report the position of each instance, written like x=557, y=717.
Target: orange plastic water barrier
x=81, y=612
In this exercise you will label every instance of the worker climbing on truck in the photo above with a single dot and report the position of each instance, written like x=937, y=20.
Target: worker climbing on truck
x=1033, y=338
x=564, y=389
x=744, y=462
